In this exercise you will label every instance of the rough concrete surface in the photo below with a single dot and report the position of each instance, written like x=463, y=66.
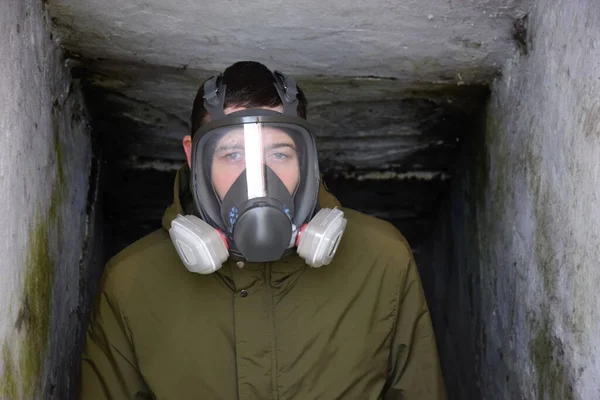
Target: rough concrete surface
x=44, y=168
x=415, y=40
x=146, y=110
x=526, y=223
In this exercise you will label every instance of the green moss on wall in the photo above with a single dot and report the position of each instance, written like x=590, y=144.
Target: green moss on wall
x=547, y=354
x=39, y=280
x=8, y=385
x=24, y=374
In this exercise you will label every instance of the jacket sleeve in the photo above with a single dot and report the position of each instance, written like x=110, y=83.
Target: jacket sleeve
x=415, y=371
x=108, y=368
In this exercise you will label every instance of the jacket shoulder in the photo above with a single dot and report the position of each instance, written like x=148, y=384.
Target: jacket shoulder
x=362, y=224
x=376, y=238
x=151, y=252
x=147, y=248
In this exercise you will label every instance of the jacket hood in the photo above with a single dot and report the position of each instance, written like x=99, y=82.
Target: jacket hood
x=183, y=202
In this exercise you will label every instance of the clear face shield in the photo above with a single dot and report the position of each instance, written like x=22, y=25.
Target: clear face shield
x=256, y=178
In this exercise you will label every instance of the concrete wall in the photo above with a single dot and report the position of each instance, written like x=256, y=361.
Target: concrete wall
x=450, y=271
x=518, y=308
x=45, y=164
x=539, y=219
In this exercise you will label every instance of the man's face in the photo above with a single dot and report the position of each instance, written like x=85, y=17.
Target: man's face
x=229, y=161
x=279, y=154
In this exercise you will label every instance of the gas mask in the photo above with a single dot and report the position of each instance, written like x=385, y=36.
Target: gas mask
x=255, y=182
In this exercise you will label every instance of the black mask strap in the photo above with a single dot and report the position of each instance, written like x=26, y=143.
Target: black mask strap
x=214, y=97
x=288, y=92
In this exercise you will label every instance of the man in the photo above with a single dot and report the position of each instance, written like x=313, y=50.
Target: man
x=259, y=286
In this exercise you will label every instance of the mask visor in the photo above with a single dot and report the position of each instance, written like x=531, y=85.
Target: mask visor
x=252, y=161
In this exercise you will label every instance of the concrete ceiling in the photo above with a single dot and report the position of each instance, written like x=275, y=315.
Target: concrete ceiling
x=414, y=40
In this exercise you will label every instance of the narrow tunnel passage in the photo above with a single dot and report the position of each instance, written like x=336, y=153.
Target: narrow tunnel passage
x=472, y=126
x=391, y=153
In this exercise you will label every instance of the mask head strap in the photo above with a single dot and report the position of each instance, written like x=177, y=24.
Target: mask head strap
x=288, y=92
x=214, y=96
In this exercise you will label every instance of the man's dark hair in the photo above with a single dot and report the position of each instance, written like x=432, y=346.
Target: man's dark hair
x=249, y=85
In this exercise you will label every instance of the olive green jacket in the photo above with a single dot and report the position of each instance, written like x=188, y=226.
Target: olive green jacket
x=358, y=328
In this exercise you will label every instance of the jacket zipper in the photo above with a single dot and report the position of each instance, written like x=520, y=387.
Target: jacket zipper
x=271, y=317
x=235, y=355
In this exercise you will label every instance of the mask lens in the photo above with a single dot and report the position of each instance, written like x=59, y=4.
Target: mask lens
x=244, y=162
x=251, y=149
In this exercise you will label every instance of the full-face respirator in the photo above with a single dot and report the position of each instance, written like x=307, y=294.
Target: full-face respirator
x=255, y=182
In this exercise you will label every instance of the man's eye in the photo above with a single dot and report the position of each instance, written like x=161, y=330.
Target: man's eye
x=233, y=156
x=279, y=156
